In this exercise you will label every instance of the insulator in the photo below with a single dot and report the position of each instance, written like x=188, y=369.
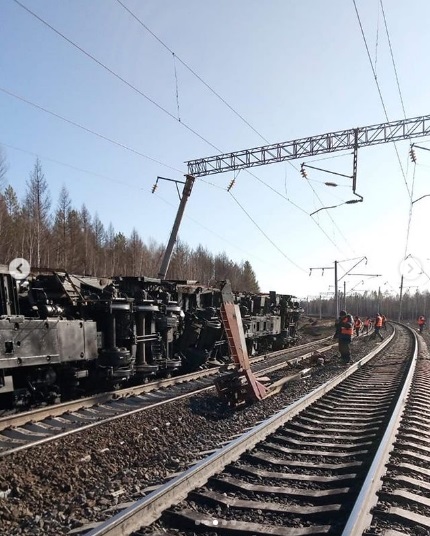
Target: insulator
x=230, y=186
x=303, y=171
x=330, y=184
x=413, y=155
x=154, y=188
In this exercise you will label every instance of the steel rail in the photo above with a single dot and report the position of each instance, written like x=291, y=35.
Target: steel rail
x=107, y=420
x=124, y=414
x=147, y=510
x=87, y=402
x=361, y=517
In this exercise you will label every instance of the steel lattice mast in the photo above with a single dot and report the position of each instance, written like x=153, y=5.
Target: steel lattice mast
x=341, y=140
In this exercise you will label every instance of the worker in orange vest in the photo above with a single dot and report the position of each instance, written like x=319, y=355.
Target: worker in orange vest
x=378, y=326
x=344, y=330
x=367, y=324
x=421, y=323
x=384, y=321
x=357, y=325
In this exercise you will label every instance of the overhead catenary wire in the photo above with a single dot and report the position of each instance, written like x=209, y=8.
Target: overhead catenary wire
x=93, y=132
x=71, y=166
x=116, y=75
x=177, y=87
x=124, y=183
x=208, y=86
x=297, y=206
x=131, y=86
x=134, y=88
x=340, y=232
x=392, y=59
x=377, y=41
x=266, y=236
x=89, y=130
x=411, y=206
x=81, y=126
x=208, y=229
x=380, y=93
x=192, y=71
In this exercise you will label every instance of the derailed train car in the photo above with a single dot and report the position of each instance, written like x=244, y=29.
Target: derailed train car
x=270, y=321
x=62, y=335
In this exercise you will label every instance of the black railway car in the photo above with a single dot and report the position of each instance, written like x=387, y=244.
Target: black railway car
x=62, y=335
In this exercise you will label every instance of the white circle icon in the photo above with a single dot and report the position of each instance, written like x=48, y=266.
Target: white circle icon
x=19, y=268
x=411, y=268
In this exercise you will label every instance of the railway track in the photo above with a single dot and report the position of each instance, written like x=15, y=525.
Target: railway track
x=403, y=505
x=25, y=430
x=313, y=468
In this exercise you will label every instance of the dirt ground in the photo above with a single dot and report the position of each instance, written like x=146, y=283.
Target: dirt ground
x=310, y=328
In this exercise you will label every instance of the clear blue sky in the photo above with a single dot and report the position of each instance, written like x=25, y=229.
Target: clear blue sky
x=291, y=68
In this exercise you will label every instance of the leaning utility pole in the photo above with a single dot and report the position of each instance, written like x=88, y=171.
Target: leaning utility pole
x=186, y=192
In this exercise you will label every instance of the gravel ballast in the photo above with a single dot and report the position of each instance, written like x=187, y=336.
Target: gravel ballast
x=66, y=484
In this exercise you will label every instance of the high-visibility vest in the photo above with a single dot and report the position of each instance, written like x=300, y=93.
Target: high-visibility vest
x=378, y=321
x=421, y=320
x=344, y=329
x=367, y=322
x=357, y=323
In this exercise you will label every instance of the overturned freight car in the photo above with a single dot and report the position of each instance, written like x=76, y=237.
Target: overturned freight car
x=62, y=335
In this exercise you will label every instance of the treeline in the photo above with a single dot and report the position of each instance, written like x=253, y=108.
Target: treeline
x=369, y=303
x=69, y=239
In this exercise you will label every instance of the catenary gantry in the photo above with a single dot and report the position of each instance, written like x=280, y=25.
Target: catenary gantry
x=352, y=138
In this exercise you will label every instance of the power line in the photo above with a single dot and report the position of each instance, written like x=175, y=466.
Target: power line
x=191, y=70
x=110, y=140
x=105, y=177
x=370, y=60
x=227, y=104
x=266, y=236
x=139, y=153
x=131, y=86
x=377, y=41
x=212, y=231
x=340, y=232
x=177, y=88
x=392, y=59
x=295, y=205
x=411, y=206
x=230, y=107
x=380, y=93
x=116, y=75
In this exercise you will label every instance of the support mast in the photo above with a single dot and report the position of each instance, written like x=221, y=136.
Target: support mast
x=186, y=192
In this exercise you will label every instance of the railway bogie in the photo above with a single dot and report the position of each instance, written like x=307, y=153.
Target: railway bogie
x=62, y=334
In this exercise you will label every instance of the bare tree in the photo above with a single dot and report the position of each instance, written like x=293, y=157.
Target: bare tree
x=3, y=168
x=99, y=235
x=86, y=230
x=134, y=253
x=202, y=267
x=60, y=231
x=152, y=261
x=36, y=209
x=74, y=240
x=180, y=265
